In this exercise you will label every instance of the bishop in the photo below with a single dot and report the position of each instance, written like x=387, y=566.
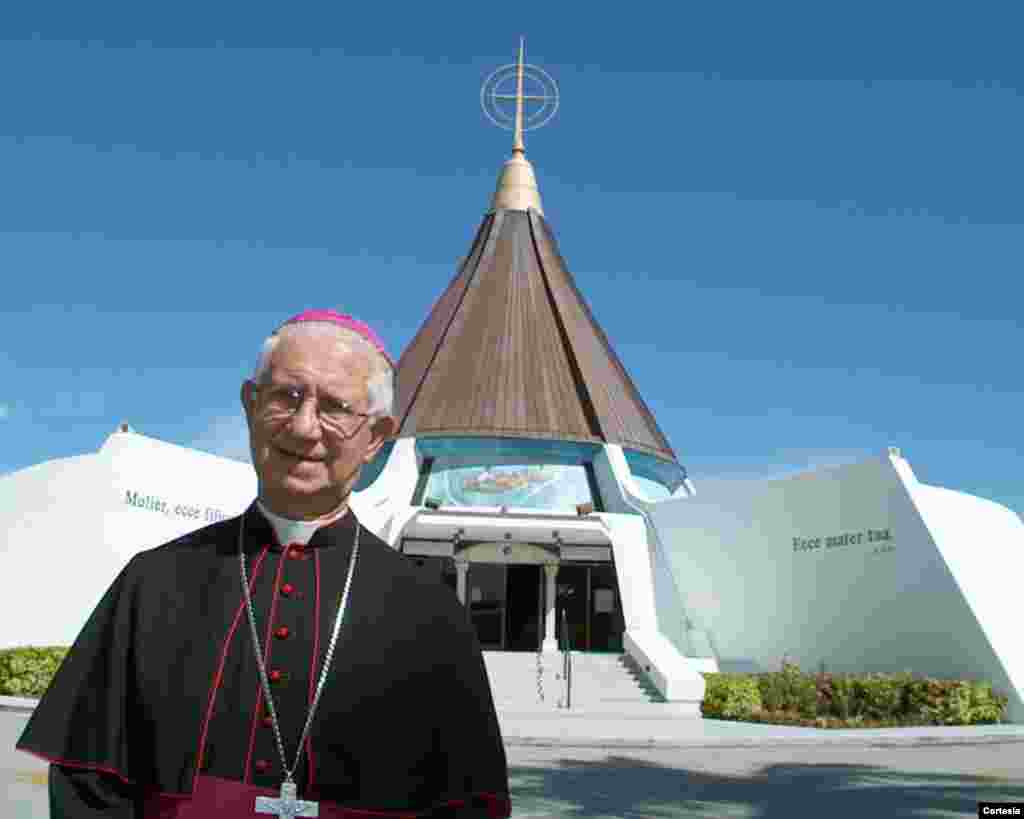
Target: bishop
x=287, y=661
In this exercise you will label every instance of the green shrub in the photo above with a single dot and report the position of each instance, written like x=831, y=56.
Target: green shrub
x=789, y=690
x=730, y=696
x=840, y=698
x=923, y=698
x=955, y=702
x=986, y=705
x=26, y=672
x=878, y=696
x=968, y=703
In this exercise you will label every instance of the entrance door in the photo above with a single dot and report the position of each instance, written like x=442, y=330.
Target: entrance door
x=588, y=597
x=606, y=621
x=506, y=604
x=485, y=599
x=523, y=612
x=571, y=587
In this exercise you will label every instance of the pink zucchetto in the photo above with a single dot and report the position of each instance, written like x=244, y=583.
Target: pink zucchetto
x=342, y=320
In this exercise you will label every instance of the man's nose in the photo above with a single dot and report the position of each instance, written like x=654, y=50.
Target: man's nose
x=305, y=422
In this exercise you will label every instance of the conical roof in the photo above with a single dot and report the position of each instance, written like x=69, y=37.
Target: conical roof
x=511, y=349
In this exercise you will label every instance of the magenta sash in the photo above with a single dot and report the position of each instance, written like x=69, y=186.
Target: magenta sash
x=227, y=799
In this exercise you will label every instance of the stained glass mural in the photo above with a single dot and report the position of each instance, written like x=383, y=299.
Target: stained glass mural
x=553, y=487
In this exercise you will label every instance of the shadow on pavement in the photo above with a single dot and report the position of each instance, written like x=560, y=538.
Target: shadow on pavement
x=622, y=787
x=629, y=788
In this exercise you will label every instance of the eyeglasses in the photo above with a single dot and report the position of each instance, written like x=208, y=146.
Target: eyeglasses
x=283, y=401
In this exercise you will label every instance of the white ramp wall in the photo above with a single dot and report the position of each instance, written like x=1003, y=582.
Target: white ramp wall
x=839, y=566
x=68, y=527
x=983, y=545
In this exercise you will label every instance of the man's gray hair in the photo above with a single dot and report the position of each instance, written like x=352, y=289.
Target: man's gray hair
x=380, y=385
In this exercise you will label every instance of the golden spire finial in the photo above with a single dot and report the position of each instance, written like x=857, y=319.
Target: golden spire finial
x=517, y=186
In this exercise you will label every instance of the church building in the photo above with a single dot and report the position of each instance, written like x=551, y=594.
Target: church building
x=519, y=431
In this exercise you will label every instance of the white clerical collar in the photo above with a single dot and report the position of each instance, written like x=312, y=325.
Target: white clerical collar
x=291, y=531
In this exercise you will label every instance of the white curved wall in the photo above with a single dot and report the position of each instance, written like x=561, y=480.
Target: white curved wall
x=935, y=597
x=69, y=526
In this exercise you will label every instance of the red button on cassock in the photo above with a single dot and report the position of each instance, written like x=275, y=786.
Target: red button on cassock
x=262, y=765
x=282, y=633
x=275, y=676
x=268, y=721
x=287, y=589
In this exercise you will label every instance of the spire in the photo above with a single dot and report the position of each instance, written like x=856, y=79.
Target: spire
x=517, y=184
x=517, y=142
x=510, y=349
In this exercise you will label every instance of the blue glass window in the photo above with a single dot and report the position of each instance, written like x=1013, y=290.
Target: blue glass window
x=652, y=473
x=514, y=472
x=555, y=487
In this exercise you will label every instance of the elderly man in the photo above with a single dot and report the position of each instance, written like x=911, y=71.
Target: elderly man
x=286, y=662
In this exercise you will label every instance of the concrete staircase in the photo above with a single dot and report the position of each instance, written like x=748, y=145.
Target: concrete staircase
x=605, y=683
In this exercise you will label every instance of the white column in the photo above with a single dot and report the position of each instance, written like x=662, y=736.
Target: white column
x=462, y=567
x=550, y=644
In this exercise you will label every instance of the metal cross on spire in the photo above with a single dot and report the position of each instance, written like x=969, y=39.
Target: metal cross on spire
x=494, y=97
x=517, y=143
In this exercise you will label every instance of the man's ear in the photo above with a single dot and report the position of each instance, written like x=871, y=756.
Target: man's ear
x=381, y=431
x=245, y=395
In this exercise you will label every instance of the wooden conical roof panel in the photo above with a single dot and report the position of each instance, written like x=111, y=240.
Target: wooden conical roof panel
x=511, y=349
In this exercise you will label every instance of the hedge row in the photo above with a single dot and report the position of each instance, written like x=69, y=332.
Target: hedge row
x=826, y=700
x=788, y=697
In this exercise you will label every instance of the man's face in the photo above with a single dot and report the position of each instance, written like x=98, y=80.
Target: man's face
x=305, y=467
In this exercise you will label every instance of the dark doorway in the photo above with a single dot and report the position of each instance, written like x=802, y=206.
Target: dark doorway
x=606, y=621
x=588, y=596
x=507, y=606
x=523, y=616
x=571, y=601
x=485, y=590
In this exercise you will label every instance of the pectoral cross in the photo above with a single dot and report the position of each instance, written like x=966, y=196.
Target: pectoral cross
x=288, y=805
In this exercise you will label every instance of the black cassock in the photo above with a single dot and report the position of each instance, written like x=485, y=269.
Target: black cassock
x=158, y=706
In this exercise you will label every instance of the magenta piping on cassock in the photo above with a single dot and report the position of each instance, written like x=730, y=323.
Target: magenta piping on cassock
x=215, y=686
x=311, y=768
x=247, y=776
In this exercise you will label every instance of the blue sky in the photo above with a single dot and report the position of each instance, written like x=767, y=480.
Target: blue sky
x=801, y=227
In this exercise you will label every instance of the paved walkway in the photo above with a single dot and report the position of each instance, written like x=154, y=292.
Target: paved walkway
x=580, y=729
x=602, y=730
x=579, y=766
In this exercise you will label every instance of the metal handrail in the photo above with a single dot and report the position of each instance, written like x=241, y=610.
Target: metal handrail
x=566, y=660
